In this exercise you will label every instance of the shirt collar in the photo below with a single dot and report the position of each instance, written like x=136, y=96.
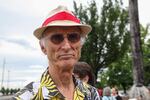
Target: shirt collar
x=47, y=81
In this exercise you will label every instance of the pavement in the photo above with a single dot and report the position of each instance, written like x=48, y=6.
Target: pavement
x=5, y=97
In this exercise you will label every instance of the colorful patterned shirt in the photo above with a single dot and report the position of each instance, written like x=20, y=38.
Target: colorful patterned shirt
x=45, y=89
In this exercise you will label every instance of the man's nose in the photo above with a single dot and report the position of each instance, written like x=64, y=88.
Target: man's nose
x=66, y=44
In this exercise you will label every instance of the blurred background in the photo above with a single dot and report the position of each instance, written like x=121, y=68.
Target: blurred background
x=21, y=60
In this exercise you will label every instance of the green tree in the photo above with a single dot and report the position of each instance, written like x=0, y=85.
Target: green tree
x=146, y=53
x=109, y=38
x=3, y=90
x=120, y=73
x=7, y=91
x=11, y=91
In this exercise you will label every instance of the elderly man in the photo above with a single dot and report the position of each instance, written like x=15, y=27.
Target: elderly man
x=61, y=38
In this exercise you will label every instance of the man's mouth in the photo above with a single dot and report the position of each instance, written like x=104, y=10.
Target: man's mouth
x=65, y=56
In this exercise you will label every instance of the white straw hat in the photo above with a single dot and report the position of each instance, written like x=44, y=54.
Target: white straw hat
x=61, y=16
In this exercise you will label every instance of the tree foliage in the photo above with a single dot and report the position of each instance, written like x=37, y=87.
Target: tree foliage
x=109, y=38
x=7, y=91
x=146, y=52
x=108, y=45
x=120, y=73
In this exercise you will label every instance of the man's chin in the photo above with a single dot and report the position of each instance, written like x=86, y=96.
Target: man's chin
x=68, y=62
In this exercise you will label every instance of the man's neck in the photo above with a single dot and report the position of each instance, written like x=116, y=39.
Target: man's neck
x=60, y=77
x=64, y=82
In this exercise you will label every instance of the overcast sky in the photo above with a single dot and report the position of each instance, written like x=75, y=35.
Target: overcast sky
x=19, y=49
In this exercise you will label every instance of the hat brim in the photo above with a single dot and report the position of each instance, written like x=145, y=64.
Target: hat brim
x=85, y=29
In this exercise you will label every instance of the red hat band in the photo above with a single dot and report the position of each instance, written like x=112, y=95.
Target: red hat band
x=61, y=16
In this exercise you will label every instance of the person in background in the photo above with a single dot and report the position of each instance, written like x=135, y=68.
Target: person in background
x=115, y=94
x=148, y=87
x=100, y=91
x=61, y=38
x=107, y=94
x=83, y=71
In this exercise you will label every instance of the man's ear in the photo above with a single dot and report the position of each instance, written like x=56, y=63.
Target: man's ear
x=42, y=45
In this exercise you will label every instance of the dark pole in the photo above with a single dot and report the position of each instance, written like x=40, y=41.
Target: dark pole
x=138, y=90
x=136, y=43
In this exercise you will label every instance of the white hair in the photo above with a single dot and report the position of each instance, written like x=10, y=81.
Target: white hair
x=42, y=42
x=83, y=39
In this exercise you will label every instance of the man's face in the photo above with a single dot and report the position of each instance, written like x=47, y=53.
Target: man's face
x=62, y=46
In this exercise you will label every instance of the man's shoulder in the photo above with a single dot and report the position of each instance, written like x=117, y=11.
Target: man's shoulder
x=28, y=91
